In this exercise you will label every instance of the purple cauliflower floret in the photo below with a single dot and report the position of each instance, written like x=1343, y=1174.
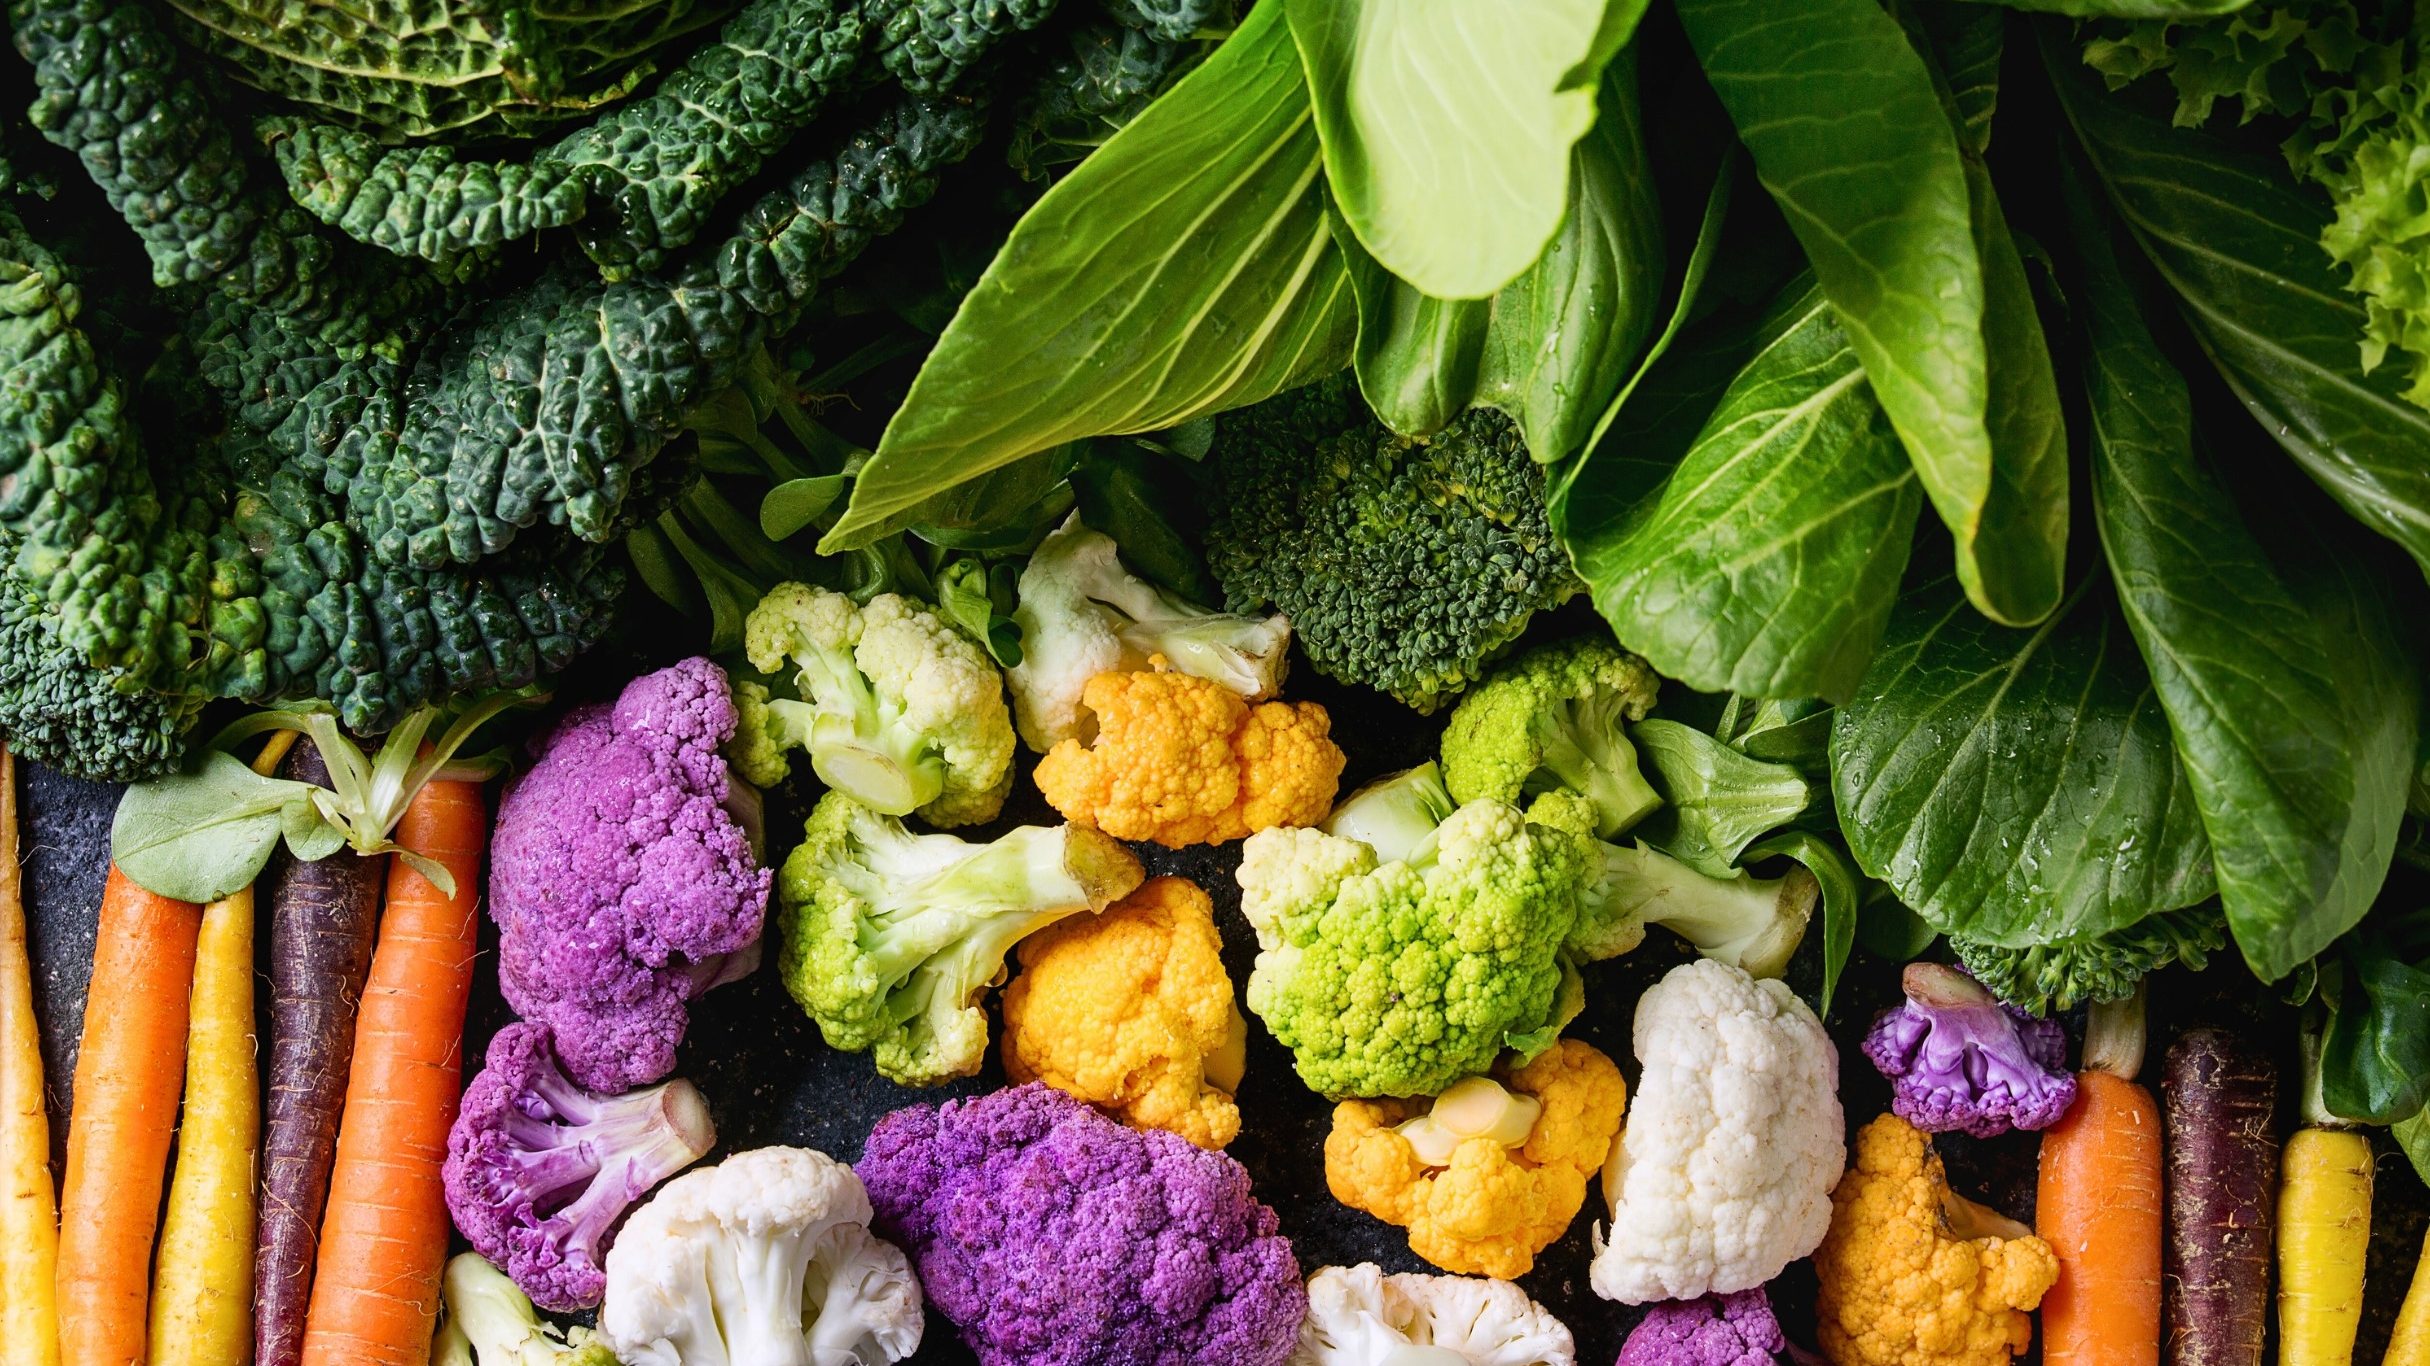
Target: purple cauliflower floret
x=1049, y=1233
x=1959, y=1059
x=539, y=1170
x=1717, y=1330
x=622, y=883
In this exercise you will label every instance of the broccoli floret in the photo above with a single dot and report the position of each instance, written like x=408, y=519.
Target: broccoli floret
x=2074, y=968
x=539, y=1170
x=1082, y=614
x=57, y=709
x=896, y=707
x=1403, y=565
x=1749, y=922
x=488, y=1322
x=888, y=938
x=1555, y=718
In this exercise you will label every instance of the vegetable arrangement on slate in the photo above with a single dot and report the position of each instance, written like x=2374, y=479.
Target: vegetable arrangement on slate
x=1554, y=572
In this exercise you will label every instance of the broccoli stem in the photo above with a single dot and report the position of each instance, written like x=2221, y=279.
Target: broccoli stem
x=1395, y=815
x=1753, y=923
x=2114, y=1034
x=944, y=924
x=1588, y=752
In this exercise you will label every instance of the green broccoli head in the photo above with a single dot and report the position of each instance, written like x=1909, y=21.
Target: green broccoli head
x=2093, y=967
x=1748, y=922
x=895, y=706
x=1403, y=565
x=888, y=938
x=1556, y=717
x=59, y=710
x=1398, y=978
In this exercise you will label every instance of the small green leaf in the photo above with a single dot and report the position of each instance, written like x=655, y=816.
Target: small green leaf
x=203, y=835
x=311, y=837
x=2413, y=1135
x=1840, y=898
x=2375, y=1058
x=1183, y=269
x=1143, y=501
x=795, y=504
x=1448, y=125
x=1889, y=931
x=964, y=595
x=1715, y=799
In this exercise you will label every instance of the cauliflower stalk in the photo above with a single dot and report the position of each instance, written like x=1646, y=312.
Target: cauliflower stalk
x=486, y=1321
x=1959, y=1059
x=539, y=1170
x=1556, y=718
x=1358, y=1316
x=1082, y=614
x=1049, y=1233
x=888, y=939
x=896, y=706
x=1182, y=760
x=1724, y=1174
x=1914, y=1274
x=621, y=881
x=1484, y=1176
x=1130, y=1010
x=765, y=1257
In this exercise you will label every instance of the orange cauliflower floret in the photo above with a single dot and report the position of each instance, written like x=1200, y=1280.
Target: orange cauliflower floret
x=1130, y=1011
x=1914, y=1274
x=1183, y=760
x=1477, y=1197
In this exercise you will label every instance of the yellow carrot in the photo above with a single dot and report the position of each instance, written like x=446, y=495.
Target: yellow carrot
x=202, y=1289
x=2409, y=1345
x=29, y=1221
x=2324, y=1232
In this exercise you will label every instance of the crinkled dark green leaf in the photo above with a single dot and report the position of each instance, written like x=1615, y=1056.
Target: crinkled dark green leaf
x=2015, y=785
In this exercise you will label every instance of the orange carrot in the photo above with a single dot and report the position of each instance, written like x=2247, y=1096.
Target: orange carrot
x=383, y=1244
x=128, y=1073
x=2098, y=1205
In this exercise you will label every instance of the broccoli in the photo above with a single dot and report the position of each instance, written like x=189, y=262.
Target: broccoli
x=1403, y=565
x=895, y=706
x=1751, y=923
x=888, y=938
x=1555, y=718
x=488, y=1322
x=539, y=1170
x=58, y=710
x=1082, y=613
x=2062, y=972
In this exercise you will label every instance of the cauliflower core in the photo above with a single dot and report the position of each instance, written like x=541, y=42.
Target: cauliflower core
x=1488, y=1205
x=1130, y=1011
x=1724, y=1174
x=1358, y=1316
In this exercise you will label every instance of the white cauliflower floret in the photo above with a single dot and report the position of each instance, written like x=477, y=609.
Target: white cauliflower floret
x=1723, y=1175
x=897, y=708
x=1358, y=1316
x=765, y=1257
x=1082, y=614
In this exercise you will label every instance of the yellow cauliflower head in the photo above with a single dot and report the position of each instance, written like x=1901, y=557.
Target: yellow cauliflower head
x=1914, y=1274
x=1482, y=1205
x=1130, y=1011
x=1182, y=760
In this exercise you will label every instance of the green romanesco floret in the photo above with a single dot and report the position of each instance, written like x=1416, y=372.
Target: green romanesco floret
x=888, y=939
x=56, y=709
x=1397, y=978
x=2067, y=971
x=895, y=706
x=1404, y=565
x=1556, y=717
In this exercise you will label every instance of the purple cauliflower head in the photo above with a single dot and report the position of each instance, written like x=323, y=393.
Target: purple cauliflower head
x=622, y=883
x=539, y=1170
x=1959, y=1059
x=1047, y=1232
x=1717, y=1330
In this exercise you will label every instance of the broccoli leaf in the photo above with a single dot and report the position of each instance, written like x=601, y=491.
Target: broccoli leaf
x=2289, y=694
x=1851, y=135
x=2238, y=242
x=1447, y=126
x=1715, y=799
x=1842, y=898
x=1768, y=562
x=2016, y=785
x=1182, y=269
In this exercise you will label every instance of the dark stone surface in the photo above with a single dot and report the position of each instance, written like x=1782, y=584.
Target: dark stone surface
x=770, y=1079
